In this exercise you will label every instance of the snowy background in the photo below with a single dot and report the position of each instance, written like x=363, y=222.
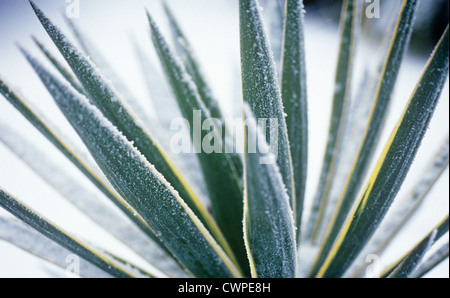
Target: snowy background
x=213, y=29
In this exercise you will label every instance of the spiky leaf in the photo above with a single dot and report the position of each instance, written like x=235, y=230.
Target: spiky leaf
x=341, y=101
x=392, y=166
x=397, y=50
x=260, y=88
x=61, y=237
x=294, y=95
x=106, y=99
x=268, y=223
x=221, y=176
x=144, y=188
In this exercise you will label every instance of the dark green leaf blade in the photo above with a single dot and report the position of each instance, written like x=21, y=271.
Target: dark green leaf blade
x=45, y=130
x=260, y=87
x=294, y=95
x=377, y=115
x=406, y=265
x=89, y=202
x=144, y=188
x=405, y=210
x=61, y=237
x=192, y=66
x=22, y=236
x=434, y=260
x=221, y=176
x=393, y=164
x=341, y=101
x=106, y=99
x=269, y=229
x=99, y=59
x=58, y=65
x=410, y=262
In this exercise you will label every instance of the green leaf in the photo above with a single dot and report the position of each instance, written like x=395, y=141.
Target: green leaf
x=61, y=237
x=405, y=210
x=163, y=101
x=431, y=262
x=192, y=67
x=274, y=17
x=341, y=101
x=222, y=178
x=88, y=202
x=45, y=130
x=104, y=97
x=421, y=189
x=138, y=181
x=392, y=166
x=399, y=43
x=260, y=86
x=269, y=230
x=406, y=265
x=107, y=70
x=68, y=75
x=360, y=107
x=294, y=95
x=410, y=262
x=23, y=236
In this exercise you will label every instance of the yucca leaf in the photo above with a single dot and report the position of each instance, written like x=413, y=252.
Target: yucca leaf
x=392, y=166
x=108, y=101
x=273, y=14
x=222, y=179
x=144, y=188
x=98, y=59
x=431, y=262
x=134, y=268
x=269, y=230
x=192, y=67
x=294, y=95
x=361, y=105
x=45, y=130
x=28, y=239
x=398, y=46
x=421, y=189
x=404, y=267
x=399, y=217
x=88, y=202
x=107, y=70
x=61, y=237
x=164, y=102
x=260, y=88
x=359, y=112
x=25, y=237
x=396, y=52
x=341, y=101
x=68, y=75
x=410, y=262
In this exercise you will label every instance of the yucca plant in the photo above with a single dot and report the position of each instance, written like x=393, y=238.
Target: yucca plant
x=232, y=210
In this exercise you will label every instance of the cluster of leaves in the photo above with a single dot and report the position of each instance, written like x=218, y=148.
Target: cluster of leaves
x=254, y=225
